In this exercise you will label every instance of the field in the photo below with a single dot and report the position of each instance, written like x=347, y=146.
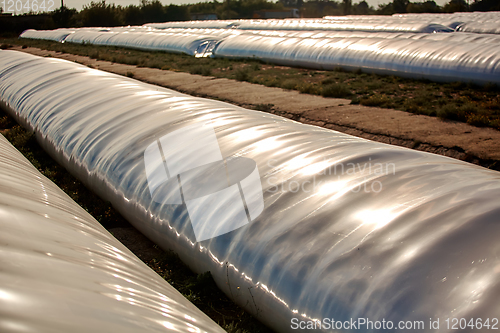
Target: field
x=460, y=102
x=478, y=106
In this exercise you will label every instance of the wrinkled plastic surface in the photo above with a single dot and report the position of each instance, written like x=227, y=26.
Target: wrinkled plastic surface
x=130, y=36
x=57, y=35
x=477, y=22
x=198, y=43
x=304, y=24
x=429, y=59
x=456, y=37
x=308, y=24
x=144, y=40
x=396, y=234
x=210, y=24
x=61, y=271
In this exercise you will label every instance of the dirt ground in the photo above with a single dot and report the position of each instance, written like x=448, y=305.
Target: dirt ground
x=453, y=139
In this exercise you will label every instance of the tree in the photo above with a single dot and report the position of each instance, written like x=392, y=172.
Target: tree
x=100, y=14
x=287, y=3
x=246, y=8
x=64, y=17
x=423, y=7
x=399, y=6
x=347, y=6
x=177, y=13
x=332, y=9
x=152, y=11
x=385, y=9
x=456, y=6
x=485, y=5
x=363, y=8
x=132, y=15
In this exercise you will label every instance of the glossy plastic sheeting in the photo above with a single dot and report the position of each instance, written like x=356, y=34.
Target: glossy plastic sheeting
x=346, y=25
x=62, y=271
x=164, y=39
x=477, y=22
x=57, y=35
x=441, y=61
x=308, y=24
x=144, y=40
x=442, y=57
x=205, y=24
x=455, y=37
x=350, y=228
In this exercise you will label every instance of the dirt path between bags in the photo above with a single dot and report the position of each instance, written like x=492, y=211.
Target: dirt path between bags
x=454, y=139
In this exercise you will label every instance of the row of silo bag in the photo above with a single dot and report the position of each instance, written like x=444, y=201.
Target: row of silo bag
x=143, y=39
x=62, y=271
x=487, y=23
x=308, y=24
x=412, y=49
x=295, y=223
x=476, y=22
x=422, y=59
x=166, y=39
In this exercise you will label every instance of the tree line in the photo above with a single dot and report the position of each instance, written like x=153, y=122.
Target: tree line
x=101, y=13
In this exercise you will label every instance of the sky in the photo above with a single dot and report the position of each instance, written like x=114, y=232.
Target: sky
x=78, y=4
